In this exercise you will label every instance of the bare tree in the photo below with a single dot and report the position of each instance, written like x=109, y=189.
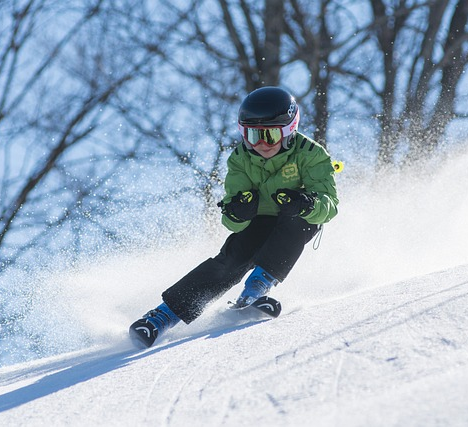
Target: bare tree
x=423, y=50
x=308, y=27
x=58, y=90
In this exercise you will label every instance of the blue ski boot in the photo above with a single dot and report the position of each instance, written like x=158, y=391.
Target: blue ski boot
x=257, y=285
x=152, y=325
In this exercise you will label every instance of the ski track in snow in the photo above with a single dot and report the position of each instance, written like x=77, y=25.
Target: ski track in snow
x=389, y=356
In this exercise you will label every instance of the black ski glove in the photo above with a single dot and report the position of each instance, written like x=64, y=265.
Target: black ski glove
x=242, y=207
x=293, y=203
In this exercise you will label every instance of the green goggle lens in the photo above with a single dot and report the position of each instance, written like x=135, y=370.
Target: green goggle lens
x=270, y=136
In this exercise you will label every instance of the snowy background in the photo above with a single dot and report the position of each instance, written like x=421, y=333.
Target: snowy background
x=374, y=329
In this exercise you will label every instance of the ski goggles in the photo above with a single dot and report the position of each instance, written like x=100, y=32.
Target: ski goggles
x=268, y=135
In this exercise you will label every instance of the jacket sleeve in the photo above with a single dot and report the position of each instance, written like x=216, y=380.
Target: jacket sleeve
x=236, y=180
x=318, y=177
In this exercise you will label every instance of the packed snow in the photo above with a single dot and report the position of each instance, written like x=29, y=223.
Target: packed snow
x=374, y=328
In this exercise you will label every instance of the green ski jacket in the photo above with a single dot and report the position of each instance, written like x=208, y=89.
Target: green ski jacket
x=305, y=166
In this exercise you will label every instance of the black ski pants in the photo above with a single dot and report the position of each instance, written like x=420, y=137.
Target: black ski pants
x=274, y=243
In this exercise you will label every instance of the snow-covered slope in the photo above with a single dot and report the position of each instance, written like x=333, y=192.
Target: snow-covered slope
x=374, y=329
x=390, y=356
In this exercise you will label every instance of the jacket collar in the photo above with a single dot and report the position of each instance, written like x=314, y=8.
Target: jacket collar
x=276, y=162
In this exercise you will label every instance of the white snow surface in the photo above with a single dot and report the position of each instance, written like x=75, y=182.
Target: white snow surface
x=374, y=329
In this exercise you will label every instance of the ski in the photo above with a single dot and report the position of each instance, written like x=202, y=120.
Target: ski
x=267, y=305
x=143, y=333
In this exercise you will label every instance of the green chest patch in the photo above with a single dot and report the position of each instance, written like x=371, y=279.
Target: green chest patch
x=290, y=172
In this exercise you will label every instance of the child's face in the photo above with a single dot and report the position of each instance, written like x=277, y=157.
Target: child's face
x=267, y=151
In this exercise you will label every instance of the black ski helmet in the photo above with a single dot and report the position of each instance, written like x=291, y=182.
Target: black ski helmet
x=270, y=106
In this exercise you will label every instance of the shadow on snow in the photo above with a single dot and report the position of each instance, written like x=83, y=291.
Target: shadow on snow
x=96, y=365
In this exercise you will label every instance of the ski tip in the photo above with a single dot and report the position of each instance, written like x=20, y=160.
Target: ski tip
x=268, y=305
x=142, y=334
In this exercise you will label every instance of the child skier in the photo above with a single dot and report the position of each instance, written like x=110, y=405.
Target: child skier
x=280, y=189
